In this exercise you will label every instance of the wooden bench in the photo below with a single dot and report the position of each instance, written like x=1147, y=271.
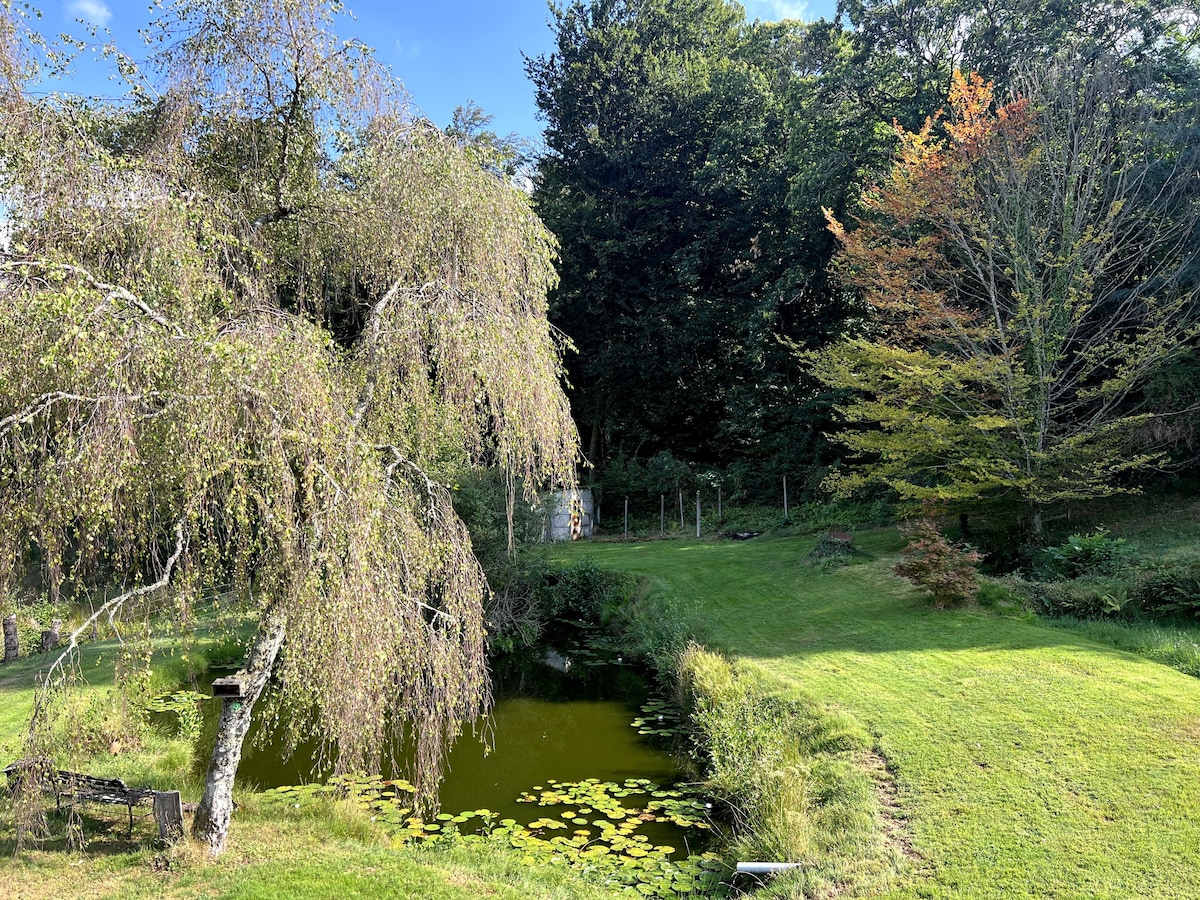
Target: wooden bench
x=72, y=789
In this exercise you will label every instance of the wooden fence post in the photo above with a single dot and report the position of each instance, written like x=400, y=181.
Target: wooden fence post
x=168, y=812
x=697, y=514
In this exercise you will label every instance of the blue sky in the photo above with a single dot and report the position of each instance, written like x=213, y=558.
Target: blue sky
x=445, y=51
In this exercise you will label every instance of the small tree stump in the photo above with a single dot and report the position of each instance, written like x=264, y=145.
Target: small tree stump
x=11, y=645
x=168, y=812
x=50, y=636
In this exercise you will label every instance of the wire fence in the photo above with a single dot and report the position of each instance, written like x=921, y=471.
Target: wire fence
x=697, y=513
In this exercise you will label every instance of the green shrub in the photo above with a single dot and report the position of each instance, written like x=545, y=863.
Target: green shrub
x=830, y=552
x=583, y=591
x=945, y=569
x=528, y=594
x=844, y=513
x=1085, y=554
x=1171, y=591
x=513, y=609
x=481, y=501
x=995, y=593
x=1081, y=598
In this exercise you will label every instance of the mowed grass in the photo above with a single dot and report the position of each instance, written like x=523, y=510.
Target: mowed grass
x=1030, y=761
x=326, y=854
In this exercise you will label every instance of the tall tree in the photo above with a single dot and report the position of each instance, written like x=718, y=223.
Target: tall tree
x=245, y=326
x=666, y=182
x=1030, y=267
x=906, y=51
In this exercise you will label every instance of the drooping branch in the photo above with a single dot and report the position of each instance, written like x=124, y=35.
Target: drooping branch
x=56, y=674
x=235, y=405
x=39, y=405
x=110, y=291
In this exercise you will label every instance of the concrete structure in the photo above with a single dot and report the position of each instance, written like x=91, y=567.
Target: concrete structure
x=560, y=506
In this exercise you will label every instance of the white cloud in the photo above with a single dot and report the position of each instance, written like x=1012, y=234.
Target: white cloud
x=775, y=10
x=408, y=53
x=95, y=12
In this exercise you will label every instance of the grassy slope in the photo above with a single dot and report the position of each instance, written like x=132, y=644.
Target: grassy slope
x=1031, y=761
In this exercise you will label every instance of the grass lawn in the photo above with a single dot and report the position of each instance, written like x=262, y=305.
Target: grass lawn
x=1030, y=761
x=274, y=858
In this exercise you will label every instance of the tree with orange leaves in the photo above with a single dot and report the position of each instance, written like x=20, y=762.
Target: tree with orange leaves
x=1025, y=266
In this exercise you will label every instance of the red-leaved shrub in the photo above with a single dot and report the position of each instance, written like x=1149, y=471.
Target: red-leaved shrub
x=944, y=568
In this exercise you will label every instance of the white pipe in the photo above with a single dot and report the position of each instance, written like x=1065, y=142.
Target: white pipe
x=765, y=868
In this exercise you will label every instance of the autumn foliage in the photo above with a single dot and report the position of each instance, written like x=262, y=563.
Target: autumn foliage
x=945, y=569
x=914, y=283
x=1025, y=268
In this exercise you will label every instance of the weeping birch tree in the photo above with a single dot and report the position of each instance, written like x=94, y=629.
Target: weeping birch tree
x=246, y=321
x=1028, y=267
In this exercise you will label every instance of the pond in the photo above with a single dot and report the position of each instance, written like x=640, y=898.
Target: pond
x=547, y=725
x=565, y=774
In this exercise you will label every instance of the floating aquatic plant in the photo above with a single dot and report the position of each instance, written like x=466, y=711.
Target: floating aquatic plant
x=185, y=705
x=659, y=717
x=594, y=828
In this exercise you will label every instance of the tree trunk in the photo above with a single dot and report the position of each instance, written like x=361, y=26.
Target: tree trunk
x=1038, y=528
x=211, y=823
x=594, y=442
x=12, y=646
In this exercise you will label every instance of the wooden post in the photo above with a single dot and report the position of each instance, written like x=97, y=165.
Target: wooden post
x=11, y=640
x=50, y=636
x=168, y=813
x=626, y=518
x=697, y=514
x=662, y=515
x=785, y=504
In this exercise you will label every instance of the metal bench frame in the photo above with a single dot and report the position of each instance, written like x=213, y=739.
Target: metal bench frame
x=73, y=789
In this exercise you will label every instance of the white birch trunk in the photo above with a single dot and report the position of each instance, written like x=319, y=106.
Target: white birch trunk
x=211, y=822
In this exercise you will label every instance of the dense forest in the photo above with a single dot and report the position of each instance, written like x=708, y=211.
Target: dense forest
x=706, y=176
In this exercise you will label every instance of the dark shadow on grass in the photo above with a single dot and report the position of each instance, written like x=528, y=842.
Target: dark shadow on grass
x=103, y=836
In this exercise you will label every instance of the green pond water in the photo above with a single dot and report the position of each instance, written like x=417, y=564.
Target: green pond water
x=546, y=726
x=596, y=794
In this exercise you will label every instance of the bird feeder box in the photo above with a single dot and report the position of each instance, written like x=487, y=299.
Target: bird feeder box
x=231, y=688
